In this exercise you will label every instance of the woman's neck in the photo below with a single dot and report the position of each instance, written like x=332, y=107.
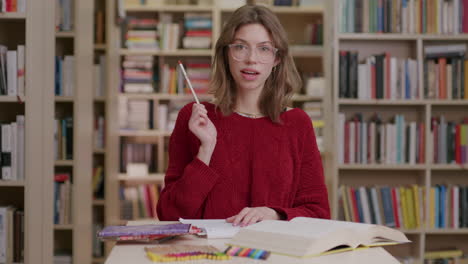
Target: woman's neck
x=247, y=102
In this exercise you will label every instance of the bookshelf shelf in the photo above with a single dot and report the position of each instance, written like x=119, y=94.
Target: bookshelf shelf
x=306, y=98
x=395, y=167
x=381, y=102
x=445, y=231
x=65, y=34
x=64, y=227
x=169, y=8
x=64, y=163
x=179, y=52
x=12, y=16
x=311, y=51
x=12, y=183
x=8, y=99
x=144, y=133
x=448, y=102
x=64, y=99
x=449, y=167
x=374, y=36
x=156, y=177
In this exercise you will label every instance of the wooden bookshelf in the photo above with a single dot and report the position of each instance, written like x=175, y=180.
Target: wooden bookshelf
x=422, y=109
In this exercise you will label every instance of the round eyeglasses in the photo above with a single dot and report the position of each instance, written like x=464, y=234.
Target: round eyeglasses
x=265, y=53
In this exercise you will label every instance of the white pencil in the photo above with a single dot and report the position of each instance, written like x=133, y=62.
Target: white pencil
x=188, y=81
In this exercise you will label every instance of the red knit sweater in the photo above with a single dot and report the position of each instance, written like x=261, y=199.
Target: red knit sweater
x=255, y=163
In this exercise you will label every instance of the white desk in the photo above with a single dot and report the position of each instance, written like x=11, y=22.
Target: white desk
x=135, y=254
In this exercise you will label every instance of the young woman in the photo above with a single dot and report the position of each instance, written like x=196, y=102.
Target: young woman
x=246, y=157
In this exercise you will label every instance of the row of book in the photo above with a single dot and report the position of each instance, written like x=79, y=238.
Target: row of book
x=136, y=114
x=13, y=6
x=377, y=142
x=139, y=74
x=443, y=256
x=380, y=76
x=403, y=16
x=99, y=73
x=139, y=202
x=63, y=138
x=445, y=68
x=173, y=81
x=62, y=199
x=12, y=71
x=405, y=206
x=64, y=75
x=12, y=149
x=11, y=235
x=198, y=31
x=223, y=3
x=314, y=34
x=99, y=132
x=132, y=152
x=64, y=15
x=449, y=141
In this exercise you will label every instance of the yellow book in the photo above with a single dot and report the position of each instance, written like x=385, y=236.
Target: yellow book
x=411, y=208
x=404, y=207
x=417, y=205
x=432, y=208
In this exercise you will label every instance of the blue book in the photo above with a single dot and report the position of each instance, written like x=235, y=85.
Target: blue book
x=436, y=209
x=359, y=205
x=387, y=206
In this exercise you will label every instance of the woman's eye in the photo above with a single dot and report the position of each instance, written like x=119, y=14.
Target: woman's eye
x=265, y=49
x=239, y=47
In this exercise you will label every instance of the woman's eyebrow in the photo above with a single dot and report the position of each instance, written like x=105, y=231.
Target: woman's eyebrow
x=263, y=42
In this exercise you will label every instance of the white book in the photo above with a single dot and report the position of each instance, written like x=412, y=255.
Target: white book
x=364, y=142
x=307, y=237
x=393, y=78
x=14, y=157
x=372, y=142
x=21, y=70
x=12, y=72
x=162, y=117
x=69, y=75
x=20, y=146
x=21, y=4
x=6, y=148
x=362, y=81
x=352, y=142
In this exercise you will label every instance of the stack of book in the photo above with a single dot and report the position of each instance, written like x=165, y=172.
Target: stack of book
x=64, y=75
x=142, y=33
x=63, y=138
x=135, y=114
x=445, y=75
x=198, y=31
x=138, y=74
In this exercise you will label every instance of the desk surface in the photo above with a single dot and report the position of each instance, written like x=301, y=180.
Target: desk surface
x=134, y=253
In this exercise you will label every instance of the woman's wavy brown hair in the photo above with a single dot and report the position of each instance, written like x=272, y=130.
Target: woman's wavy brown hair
x=283, y=79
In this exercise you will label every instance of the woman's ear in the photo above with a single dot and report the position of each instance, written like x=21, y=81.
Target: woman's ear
x=277, y=61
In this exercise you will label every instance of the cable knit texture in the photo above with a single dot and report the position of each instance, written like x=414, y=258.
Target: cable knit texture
x=255, y=163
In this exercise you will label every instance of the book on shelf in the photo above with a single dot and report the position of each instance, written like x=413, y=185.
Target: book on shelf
x=444, y=72
x=417, y=16
x=99, y=80
x=198, y=31
x=12, y=70
x=138, y=202
x=12, y=150
x=64, y=75
x=98, y=182
x=375, y=142
x=139, y=74
x=11, y=234
x=64, y=15
x=308, y=237
x=142, y=33
x=449, y=141
x=62, y=199
x=379, y=76
x=169, y=32
x=63, y=138
x=137, y=152
x=136, y=114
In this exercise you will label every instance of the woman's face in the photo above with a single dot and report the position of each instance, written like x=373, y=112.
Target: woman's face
x=252, y=56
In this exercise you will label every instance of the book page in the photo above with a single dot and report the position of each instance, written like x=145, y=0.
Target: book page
x=215, y=228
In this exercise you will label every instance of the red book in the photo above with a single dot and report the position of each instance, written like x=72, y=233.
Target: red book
x=395, y=207
x=198, y=33
x=355, y=206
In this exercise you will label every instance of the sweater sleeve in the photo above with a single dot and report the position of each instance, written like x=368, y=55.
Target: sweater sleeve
x=311, y=198
x=188, y=180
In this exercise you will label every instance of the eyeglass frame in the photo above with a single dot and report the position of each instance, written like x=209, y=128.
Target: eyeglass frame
x=275, y=51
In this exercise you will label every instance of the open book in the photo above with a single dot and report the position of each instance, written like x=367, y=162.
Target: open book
x=308, y=237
